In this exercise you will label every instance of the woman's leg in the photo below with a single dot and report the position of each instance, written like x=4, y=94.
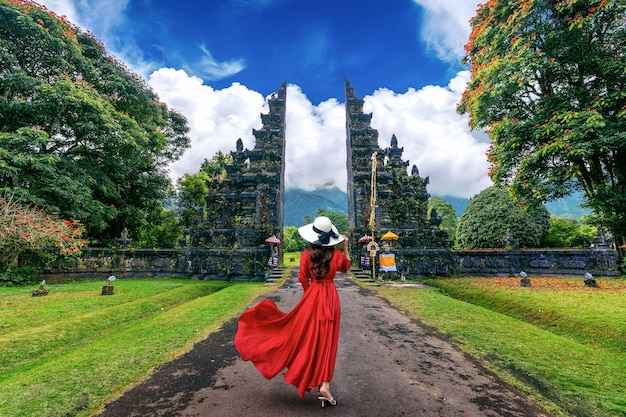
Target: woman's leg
x=325, y=392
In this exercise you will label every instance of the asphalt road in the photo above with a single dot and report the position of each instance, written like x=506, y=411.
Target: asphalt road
x=387, y=365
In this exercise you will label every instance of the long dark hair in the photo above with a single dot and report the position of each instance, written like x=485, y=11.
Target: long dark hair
x=320, y=259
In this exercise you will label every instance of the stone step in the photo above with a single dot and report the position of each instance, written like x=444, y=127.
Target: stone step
x=364, y=277
x=275, y=275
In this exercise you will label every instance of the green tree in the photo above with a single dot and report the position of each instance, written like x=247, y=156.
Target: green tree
x=340, y=220
x=491, y=215
x=193, y=188
x=81, y=135
x=568, y=232
x=549, y=85
x=215, y=167
x=165, y=232
x=445, y=213
x=292, y=242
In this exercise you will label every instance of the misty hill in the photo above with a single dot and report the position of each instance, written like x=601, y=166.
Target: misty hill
x=300, y=203
x=565, y=207
x=568, y=206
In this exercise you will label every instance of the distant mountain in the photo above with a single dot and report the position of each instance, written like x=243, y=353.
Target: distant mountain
x=457, y=203
x=300, y=203
x=563, y=207
x=568, y=206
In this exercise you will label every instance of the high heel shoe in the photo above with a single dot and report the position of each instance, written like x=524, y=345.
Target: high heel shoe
x=324, y=399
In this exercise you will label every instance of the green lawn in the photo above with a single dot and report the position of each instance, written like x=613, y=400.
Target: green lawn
x=559, y=341
x=72, y=351
x=292, y=258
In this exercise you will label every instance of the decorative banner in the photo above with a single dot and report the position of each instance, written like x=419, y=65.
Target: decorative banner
x=388, y=262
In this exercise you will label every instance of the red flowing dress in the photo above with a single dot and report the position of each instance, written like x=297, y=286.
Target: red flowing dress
x=303, y=341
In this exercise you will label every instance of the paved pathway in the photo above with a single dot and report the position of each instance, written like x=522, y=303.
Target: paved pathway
x=387, y=365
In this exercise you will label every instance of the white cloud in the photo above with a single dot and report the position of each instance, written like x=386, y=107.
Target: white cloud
x=217, y=118
x=316, y=142
x=445, y=27
x=99, y=16
x=63, y=8
x=214, y=70
x=435, y=138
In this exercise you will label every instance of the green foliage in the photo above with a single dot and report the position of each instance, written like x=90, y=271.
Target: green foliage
x=165, y=232
x=292, y=258
x=549, y=86
x=445, y=213
x=18, y=276
x=81, y=134
x=340, y=220
x=567, y=232
x=292, y=242
x=215, y=167
x=193, y=188
x=491, y=214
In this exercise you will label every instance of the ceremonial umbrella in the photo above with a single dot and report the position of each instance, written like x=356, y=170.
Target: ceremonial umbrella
x=365, y=238
x=389, y=236
x=273, y=240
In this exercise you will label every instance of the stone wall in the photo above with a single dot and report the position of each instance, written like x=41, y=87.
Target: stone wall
x=248, y=264
x=204, y=264
x=538, y=262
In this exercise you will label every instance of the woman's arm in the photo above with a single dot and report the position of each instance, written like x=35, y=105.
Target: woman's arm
x=346, y=254
x=303, y=273
x=344, y=246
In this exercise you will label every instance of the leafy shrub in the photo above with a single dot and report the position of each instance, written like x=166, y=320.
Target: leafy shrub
x=491, y=215
x=18, y=277
x=567, y=232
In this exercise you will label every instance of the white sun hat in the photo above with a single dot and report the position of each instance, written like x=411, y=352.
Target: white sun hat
x=321, y=232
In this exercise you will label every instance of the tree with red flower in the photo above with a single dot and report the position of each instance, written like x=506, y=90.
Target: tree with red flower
x=25, y=227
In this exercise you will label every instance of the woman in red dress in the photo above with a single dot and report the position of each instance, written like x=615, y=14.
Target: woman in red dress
x=303, y=341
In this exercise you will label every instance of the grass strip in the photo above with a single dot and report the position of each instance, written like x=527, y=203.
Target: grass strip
x=593, y=316
x=20, y=310
x=564, y=376
x=81, y=381
x=21, y=350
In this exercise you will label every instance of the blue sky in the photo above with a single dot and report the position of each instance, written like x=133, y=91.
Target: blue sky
x=216, y=61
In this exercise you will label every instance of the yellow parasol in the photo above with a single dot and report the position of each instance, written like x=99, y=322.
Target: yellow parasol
x=389, y=236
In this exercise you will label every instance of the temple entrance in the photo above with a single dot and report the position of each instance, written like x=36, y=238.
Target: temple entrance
x=247, y=206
